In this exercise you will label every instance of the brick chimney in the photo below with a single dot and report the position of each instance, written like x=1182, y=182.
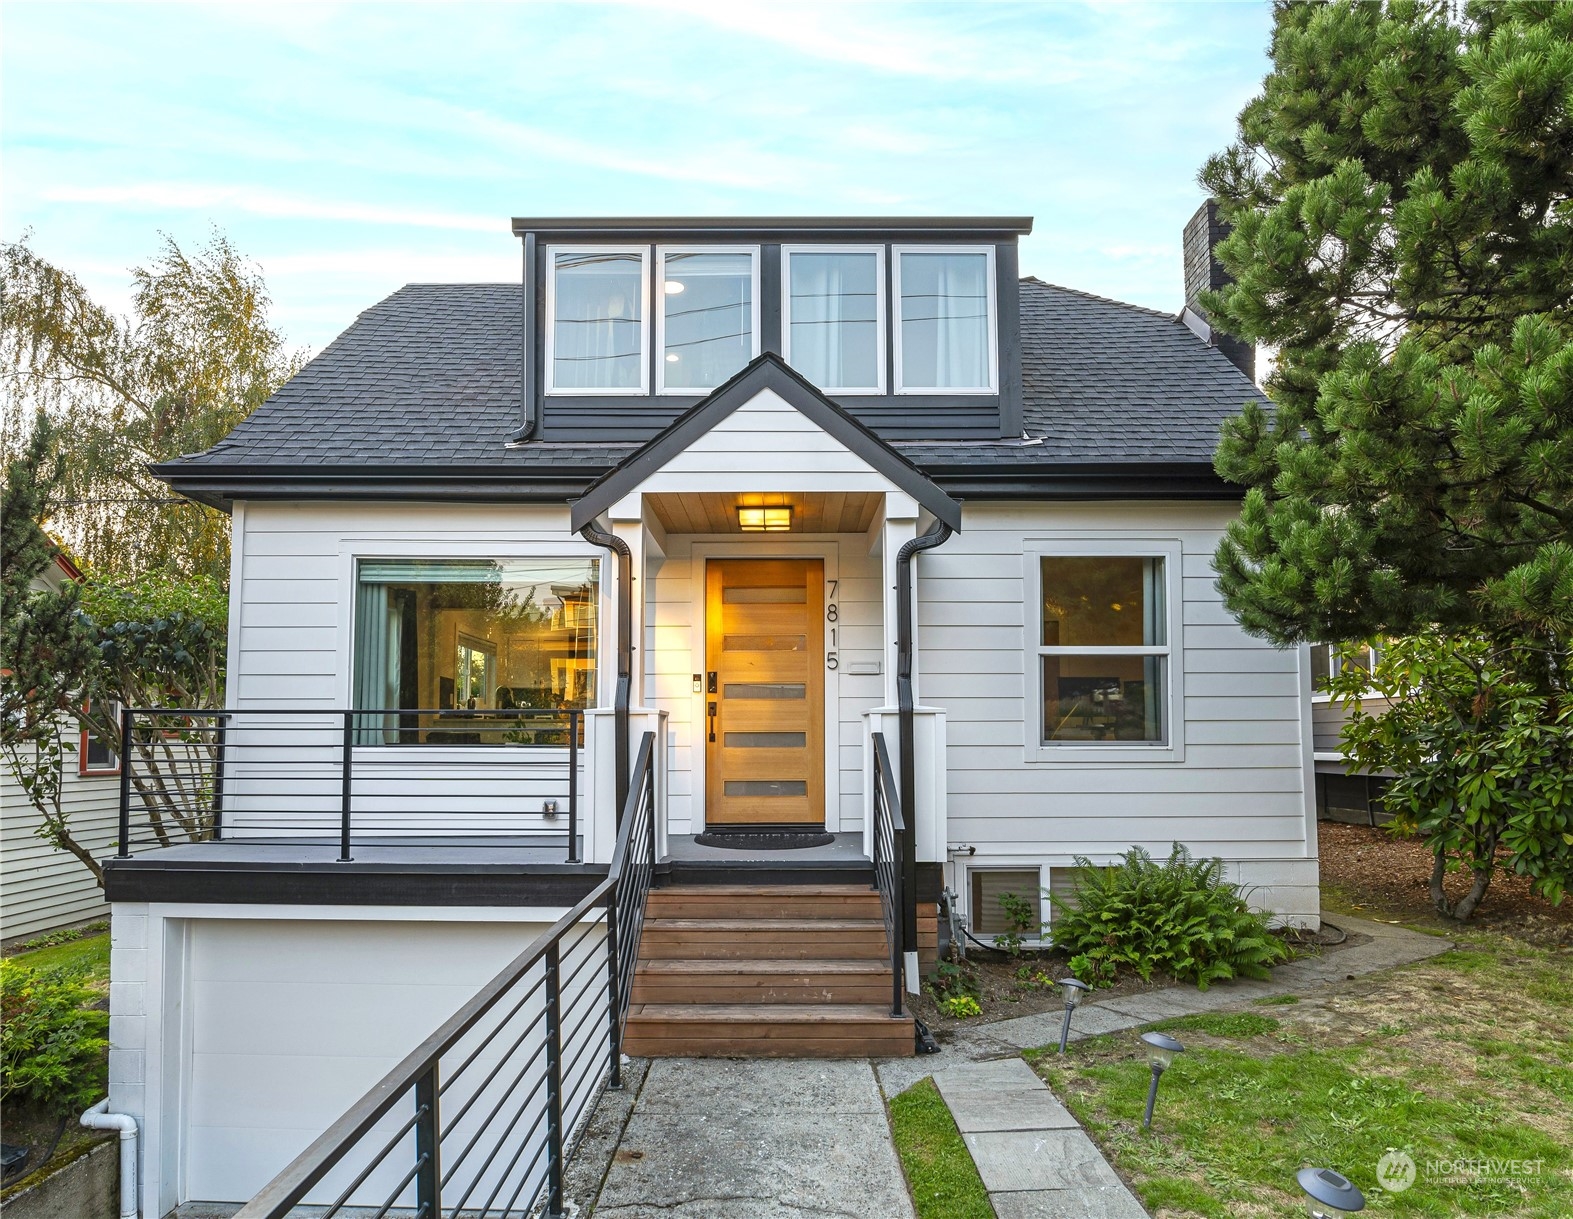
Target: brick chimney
x=1204, y=273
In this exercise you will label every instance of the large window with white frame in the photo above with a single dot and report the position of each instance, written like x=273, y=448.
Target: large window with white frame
x=1103, y=650
x=707, y=316
x=596, y=320
x=450, y=650
x=945, y=331
x=833, y=316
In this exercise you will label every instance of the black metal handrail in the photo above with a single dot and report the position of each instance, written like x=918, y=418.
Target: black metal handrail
x=383, y=776
x=492, y=1131
x=887, y=842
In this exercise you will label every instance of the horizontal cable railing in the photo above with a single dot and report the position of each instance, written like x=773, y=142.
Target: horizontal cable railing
x=889, y=830
x=398, y=777
x=480, y=1118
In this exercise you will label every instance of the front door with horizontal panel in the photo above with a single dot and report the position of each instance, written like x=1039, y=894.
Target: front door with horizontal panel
x=765, y=692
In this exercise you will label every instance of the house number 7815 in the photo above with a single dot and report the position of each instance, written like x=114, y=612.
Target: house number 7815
x=832, y=615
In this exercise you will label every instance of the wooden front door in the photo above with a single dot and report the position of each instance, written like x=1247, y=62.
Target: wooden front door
x=765, y=692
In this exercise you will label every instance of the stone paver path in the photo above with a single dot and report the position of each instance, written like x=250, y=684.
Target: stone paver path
x=755, y=1139
x=1034, y=1159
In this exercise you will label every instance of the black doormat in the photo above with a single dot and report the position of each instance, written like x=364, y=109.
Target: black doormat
x=764, y=840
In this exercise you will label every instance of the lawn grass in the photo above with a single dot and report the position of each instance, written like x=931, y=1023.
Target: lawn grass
x=88, y=955
x=1468, y=1056
x=941, y=1176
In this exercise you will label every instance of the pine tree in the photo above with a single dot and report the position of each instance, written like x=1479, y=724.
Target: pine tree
x=1401, y=195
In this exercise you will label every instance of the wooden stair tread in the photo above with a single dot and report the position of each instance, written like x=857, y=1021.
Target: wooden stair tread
x=727, y=967
x=796, y=923
x=768, y=1013
x=763, y=891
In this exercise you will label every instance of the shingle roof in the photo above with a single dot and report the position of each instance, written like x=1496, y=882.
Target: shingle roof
x=429, y=378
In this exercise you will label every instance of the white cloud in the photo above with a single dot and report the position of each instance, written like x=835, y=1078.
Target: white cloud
x=195, y=196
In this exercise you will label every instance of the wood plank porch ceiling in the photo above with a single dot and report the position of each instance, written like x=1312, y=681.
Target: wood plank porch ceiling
x=812, y=512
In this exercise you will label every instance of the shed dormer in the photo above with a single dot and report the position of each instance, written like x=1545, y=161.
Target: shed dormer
x=912, y=325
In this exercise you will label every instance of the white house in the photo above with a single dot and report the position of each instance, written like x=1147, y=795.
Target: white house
x=43, y=888
x=861, y=528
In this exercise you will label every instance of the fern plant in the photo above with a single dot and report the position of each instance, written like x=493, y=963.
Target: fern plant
x=1180, y=916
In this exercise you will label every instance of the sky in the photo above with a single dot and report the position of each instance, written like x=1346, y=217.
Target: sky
x=352, y=148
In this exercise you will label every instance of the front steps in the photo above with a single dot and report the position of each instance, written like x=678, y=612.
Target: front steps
x=772, y=971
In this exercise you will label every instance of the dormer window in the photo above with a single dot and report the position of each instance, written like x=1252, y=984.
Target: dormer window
x=707, y=321
x=596, y=309
x=945, y=321
x=834, y=322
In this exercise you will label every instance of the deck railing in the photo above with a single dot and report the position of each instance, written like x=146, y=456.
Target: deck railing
x=480, y=1118
x=885, y=847
x=390, y=777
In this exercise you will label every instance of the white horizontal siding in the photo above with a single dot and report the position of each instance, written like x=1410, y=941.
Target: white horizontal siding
x=41, y=886
x=1237, y=789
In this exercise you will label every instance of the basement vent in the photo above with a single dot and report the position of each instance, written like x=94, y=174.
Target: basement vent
x=989, y=884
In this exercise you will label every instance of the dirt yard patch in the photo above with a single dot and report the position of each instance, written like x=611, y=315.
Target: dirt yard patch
x=1371, y=873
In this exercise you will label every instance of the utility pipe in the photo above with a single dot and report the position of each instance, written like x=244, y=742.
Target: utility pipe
x=625, y=651
x=99, y=1118
x=937, y=534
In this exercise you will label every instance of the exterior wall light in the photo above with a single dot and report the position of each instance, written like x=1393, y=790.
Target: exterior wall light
x=1329, y=1193
x=1073, y=990
x=1161, y=1049
x=764, y=520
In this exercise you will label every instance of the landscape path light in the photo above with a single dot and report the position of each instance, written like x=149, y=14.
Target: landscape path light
x=1073, y=990
x=1330, y=1193
x=1161, y=1049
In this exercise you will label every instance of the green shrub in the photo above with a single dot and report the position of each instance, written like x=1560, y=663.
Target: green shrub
x=1018, y=922
x=1179, y=916
x=52, y=1042
x=952, y=980
x=961, y=1007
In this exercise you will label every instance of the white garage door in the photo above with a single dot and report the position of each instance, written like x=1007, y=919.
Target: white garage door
x=291, y=1021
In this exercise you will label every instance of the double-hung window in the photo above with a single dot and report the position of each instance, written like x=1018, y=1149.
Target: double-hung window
x=945, y=321
x=707, y=316
x=596, y=320
x=833, y=319
x=1329, y=660
x=445, y=649
x=1103, y=650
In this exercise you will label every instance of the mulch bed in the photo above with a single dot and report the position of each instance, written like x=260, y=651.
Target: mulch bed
x=1372, y=873
x=1003, y=995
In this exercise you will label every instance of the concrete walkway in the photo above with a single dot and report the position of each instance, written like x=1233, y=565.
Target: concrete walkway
x=717, y=1138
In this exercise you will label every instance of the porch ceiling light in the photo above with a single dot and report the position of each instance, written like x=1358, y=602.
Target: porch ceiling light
x=1161, y=1049
x=764, y=520
x=1073, y=989
x=1330, y=1193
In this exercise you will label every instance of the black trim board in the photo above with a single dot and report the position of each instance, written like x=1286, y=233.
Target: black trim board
x=765, y=372
x=774, y=228
x=350, y=884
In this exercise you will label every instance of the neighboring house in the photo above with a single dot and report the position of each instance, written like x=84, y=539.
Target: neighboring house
x=1343, y=793
x=43, y=888
x=678, y=485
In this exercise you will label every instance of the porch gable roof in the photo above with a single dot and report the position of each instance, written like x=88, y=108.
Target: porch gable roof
x=767, y=372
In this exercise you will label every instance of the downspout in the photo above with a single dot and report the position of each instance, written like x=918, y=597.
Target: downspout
x=531, y=421
x=625, y=651
x=98, y=1118
x=937, y=535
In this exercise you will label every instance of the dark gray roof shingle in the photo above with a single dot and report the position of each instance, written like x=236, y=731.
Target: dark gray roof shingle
x=429, y=377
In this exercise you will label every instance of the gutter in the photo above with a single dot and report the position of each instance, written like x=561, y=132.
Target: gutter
x=531, y=421
x=937, y=535
x=99, y=1118
x=625, y=650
